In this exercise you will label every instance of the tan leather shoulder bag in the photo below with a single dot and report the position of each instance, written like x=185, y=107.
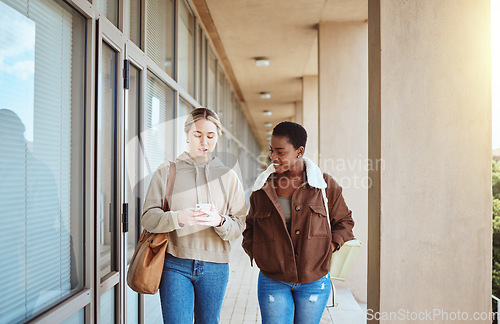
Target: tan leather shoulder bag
x=146, y=267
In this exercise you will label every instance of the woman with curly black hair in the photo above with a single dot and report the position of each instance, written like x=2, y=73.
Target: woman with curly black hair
x=288, y=233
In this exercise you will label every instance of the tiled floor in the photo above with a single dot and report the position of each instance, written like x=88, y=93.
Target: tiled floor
x=240, y=304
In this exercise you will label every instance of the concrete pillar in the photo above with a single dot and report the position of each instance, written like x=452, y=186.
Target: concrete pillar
x=430, y=124
x=298, y=112
x=343, y=127
x=310, y=114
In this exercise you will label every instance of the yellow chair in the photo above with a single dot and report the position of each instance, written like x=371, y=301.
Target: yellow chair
x=343, y=259
x=341, y=264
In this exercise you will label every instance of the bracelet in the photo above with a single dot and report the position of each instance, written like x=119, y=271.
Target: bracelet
x=222, y=221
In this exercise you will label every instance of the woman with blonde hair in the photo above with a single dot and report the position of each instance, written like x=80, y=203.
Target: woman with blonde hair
x=207, y=211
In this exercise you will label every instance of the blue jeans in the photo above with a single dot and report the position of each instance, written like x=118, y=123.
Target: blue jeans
x=285, y=302
x=190, y=286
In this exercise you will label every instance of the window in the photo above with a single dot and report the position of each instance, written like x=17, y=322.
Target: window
x=211, y=81
x=109, y=8
x=133, y=20
x=220, y=93
x=41, y=156
x=159, y=125
x=185, y=48
x=184, y=110
x=160, y=32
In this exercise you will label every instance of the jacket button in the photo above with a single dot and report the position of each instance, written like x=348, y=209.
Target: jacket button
x=297, y=232
x=297, y=208
x=296, y=254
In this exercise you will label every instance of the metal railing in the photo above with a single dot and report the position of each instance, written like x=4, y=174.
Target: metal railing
x=497, y=300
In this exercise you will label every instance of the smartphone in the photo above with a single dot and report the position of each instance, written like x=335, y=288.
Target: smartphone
x=203, y=206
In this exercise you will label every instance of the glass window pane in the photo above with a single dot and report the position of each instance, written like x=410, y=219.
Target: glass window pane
x=107, y=309
x=203, y=67
x=230, y=117
x=153, y=309
x=108, y=8
x=227, y=105
x=106, y=158
x=132, y=306
x=184, y=110
x=159, y=124
x=220, y=93
x=132, y=17
x=160, y=34
x=211, y=81
x=77, y=318
x=200, y=73
x=186, y=48
x=41, y=156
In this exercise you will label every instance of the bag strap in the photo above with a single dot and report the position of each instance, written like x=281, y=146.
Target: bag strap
x=170, y=186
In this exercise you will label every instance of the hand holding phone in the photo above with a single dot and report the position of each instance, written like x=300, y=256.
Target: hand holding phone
x=207, y=215
x=200, y=207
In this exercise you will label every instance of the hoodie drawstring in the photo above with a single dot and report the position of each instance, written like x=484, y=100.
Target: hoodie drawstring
x=208, y=184
x=207, y=179
x=196, y=184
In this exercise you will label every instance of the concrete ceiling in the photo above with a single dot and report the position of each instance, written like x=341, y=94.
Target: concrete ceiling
x=285, y=32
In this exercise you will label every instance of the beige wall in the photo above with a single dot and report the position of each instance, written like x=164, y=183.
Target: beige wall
x=343, y=127
x=430, y=122
x=298, y=112
x=310, y=114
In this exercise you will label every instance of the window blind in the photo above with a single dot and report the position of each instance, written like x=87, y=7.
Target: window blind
x=211, y=81
x=160, y=34
x=185, y=48
x=159, y=128
x=38, y=259
x=183, y=112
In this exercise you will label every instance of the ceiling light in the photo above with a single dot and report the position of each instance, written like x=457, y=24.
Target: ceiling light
x=268, y=138
x=269, y=132
x=265, y=95
x=261, y=61
x=268, y=124
x=267, y=113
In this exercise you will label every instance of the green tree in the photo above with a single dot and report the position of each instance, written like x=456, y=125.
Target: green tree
x=496, y=248
x=496, y=228
x=495, y=179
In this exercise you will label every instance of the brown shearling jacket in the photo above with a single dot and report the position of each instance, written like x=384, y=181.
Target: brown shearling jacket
x=303, y=255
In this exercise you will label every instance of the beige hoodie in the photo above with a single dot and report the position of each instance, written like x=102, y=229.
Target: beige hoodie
x=196, y=183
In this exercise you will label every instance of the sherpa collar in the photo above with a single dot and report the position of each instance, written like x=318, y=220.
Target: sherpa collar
x=313, y=172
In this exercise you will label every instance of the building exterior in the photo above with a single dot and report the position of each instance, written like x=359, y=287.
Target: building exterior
x=83, y=133
x=396, y=96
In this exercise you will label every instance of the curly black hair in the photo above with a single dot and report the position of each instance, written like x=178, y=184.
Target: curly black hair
x=296, y=134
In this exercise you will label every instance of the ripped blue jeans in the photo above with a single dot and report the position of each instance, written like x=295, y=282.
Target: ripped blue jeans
x=286, y=303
